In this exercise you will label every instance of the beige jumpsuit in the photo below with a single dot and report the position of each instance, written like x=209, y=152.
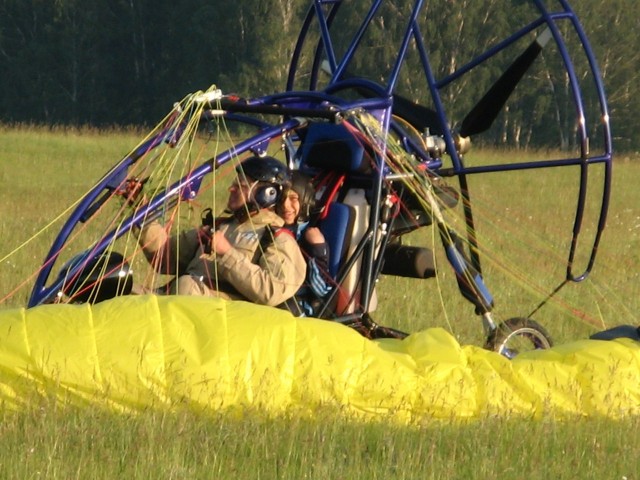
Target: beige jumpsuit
x=276, y=277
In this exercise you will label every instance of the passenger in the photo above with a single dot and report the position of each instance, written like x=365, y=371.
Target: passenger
x=295, y=208
x=229, y=257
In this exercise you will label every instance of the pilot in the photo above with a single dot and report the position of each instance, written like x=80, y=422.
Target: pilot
x=246, y=255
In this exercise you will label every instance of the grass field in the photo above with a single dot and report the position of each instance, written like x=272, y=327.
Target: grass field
x=524, y=224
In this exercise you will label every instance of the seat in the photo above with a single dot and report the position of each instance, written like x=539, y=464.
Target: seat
x=337, y=228
x=331, y=147
x=330, y=151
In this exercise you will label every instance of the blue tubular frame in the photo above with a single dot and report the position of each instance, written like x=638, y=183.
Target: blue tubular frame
x=459, y=169
x=310, y=104
x=40, y=294
x=315, y=103
x=184, y=189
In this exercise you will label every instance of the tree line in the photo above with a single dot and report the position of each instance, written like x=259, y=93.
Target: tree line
x=122, y=62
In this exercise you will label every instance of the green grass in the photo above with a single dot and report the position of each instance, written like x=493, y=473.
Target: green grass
x=92, y=444
x=42, y=173
x=524, y=223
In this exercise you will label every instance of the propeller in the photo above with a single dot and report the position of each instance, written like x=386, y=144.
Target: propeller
x=482, y=116
x=417, y=115
x=484, y=113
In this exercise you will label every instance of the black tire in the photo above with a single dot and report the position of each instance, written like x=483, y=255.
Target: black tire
x=518, y=335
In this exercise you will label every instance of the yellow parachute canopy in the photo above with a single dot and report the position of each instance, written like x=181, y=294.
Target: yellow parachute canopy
x=140, y=352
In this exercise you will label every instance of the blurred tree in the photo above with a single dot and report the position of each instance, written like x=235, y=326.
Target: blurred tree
x=127, y=61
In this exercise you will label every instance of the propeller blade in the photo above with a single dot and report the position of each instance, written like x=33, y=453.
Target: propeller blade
x=487, y=109
x=419, y=116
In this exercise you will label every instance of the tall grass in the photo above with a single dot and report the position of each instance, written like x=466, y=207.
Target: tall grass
x=524, y=224
x=42, y=173
x=90, y=443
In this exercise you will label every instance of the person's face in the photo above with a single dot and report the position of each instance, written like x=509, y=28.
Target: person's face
x=239, y=192
x=290, y=207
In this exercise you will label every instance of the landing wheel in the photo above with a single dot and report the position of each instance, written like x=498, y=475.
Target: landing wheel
x=518, y=335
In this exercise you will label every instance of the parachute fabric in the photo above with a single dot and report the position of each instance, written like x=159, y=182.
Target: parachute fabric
x=149, y=352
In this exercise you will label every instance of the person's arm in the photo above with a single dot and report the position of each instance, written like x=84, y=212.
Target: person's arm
x=279, y=274
x=168, y=255
x=315, y=246
x=316, y=249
